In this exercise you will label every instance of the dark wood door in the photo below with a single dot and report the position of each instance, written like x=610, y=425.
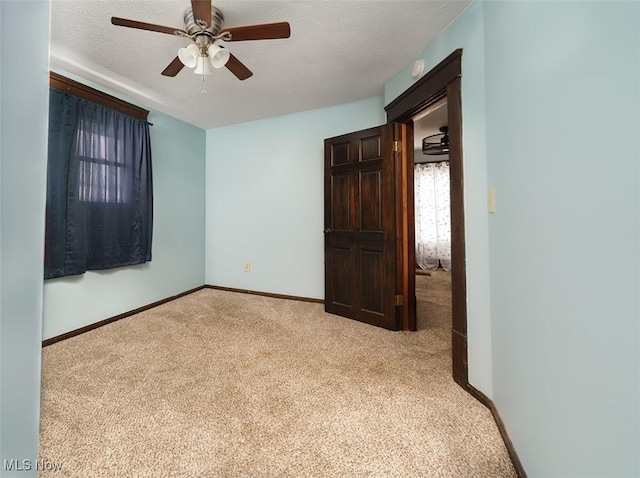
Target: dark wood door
x=360, y=227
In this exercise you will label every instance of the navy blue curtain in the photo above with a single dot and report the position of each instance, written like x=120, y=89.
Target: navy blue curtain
x=99, y=188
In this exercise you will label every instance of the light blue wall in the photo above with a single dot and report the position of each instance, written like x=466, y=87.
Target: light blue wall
x=178, y=158
x=554, y=87
x=23, y=160
x=467, y=32
x=563, y=128
x=265, y=198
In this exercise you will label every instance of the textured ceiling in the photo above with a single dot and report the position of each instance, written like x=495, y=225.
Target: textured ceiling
x=339, y=51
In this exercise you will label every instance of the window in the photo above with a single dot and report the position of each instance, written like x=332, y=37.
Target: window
x=99, y=187
x=103, y=175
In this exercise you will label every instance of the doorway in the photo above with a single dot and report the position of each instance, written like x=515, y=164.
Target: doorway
x=432, y=218
x=443, y=81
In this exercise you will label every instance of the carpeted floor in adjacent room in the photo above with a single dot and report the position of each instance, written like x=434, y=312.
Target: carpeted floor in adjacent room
x=222, y=384
x=433, y=299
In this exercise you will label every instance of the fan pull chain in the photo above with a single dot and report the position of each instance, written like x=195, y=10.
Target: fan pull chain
x=204, y=91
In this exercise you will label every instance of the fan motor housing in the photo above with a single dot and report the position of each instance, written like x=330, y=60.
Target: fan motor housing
x=191, y=27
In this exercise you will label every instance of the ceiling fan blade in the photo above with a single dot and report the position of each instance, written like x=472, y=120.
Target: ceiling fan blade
x=236, y=67
x=202, y=10
x=265, y=31
x=123, y=22
x=173, y=68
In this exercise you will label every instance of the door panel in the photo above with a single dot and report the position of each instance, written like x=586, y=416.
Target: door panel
x=370, y=148
x=341, y=202
x=340, y=153
x=360, y=227
x=341, y=285
x=371, y=201
x=372, y=280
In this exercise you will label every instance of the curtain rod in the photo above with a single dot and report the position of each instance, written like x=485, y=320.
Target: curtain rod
x=81, y=90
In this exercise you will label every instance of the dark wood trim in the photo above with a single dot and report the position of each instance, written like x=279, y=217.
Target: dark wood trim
x=459, y=359
x=266, y=294
x=398, y=186
x=487, y=402
x=458, y=241
x=405, y=224
x=115, y=318
x=426, y=90
x=63, y=83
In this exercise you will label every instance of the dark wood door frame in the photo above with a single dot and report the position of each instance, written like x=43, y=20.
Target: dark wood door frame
x=444, y=80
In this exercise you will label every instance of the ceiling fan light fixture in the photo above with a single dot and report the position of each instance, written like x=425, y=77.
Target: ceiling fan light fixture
x=203, y=66
x=437, y=144
x=203, y=25
x=189, y=55
x=218, y=56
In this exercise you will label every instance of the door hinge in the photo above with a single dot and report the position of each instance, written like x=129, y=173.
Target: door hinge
x=399, y=299
x=397, y=146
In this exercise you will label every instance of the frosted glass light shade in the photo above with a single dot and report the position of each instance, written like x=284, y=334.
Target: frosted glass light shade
x=218, y=56
x=189, y=55
x=203, y=66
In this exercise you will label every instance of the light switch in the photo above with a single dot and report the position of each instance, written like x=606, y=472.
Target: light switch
x=491, y=200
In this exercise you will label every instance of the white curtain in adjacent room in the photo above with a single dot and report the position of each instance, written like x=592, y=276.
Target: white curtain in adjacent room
x=433, y=217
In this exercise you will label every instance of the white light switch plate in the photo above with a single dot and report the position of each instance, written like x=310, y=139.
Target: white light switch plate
x=491, y=200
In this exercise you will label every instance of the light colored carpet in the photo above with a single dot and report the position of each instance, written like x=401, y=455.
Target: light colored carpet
x=221, y=384
x=433, y=299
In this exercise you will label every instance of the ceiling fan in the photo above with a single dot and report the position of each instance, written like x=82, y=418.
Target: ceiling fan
x=437, y=143
x=203, y=25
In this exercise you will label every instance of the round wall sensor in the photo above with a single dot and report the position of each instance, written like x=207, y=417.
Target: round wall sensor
x=418, y=68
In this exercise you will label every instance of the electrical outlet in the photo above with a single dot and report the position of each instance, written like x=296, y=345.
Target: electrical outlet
x=247, y=266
